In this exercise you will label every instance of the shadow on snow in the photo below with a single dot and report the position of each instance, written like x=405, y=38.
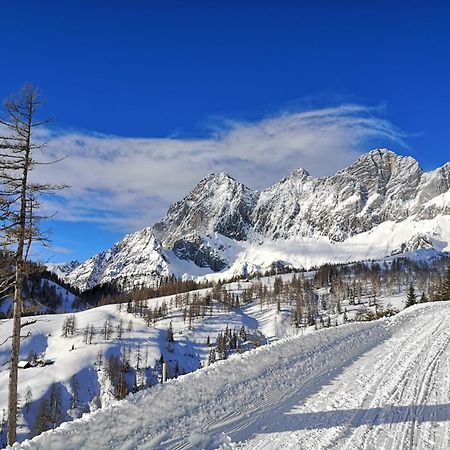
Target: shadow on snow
x=353, y=418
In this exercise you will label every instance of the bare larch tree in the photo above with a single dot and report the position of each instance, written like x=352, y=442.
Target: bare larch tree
x=19, y=201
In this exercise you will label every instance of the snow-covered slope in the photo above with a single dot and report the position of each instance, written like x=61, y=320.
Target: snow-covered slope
x=73, y=356
x=43, y=297
x=383, y=384
x=135, y=261
x=62, y=269
x=380, y=205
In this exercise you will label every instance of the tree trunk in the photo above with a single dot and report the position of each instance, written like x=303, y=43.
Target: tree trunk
x=18, y=219
x=164, y=372
x=14, y=361
x=17, y=311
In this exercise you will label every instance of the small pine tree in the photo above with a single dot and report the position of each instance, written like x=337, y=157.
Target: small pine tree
x=130, y=326
x=99, y=360
x=243, y=334
x=445, y=288
x=41, y=423
x=146, y=356
x=73, y=325
x=65, y=328
x=411, y=297
x=120, y=329
x=28, y=399
x=86, y=334
x=56, y=413
x=212, y=356
x=75, y=387
x=138, y=357
x=107, y=330
x=170, y=337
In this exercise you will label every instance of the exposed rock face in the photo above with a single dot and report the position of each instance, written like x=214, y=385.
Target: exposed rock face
x=434, y=193
x=217, y=204
x=203, y=255
x=380, y=187
x=418, y=242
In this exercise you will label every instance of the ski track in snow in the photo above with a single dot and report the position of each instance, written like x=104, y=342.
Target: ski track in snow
x=395, y=396
x=377, y=385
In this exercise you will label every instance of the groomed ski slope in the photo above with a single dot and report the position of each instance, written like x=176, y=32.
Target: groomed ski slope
x=376, y=385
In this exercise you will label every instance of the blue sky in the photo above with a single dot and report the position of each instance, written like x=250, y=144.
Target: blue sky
x=167, y=91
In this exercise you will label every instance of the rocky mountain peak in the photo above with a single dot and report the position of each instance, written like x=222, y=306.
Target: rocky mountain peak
x=379, y=189
x=219, y=178
x=298, y=174
x=217, y=204
x=381, y=165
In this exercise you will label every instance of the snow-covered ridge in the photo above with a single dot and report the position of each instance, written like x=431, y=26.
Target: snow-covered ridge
x=62, y=269
x=380, y=205
x=135, y=261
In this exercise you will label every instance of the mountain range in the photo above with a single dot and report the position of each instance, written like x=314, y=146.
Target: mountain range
x=381, y=205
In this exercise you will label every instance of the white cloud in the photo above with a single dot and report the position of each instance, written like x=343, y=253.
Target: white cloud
x=129, y=183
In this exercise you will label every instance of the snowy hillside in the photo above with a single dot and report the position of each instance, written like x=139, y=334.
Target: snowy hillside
x=76, y=363
x=382, y=384
x=43, y=296
x=81, y=357
x=382, y=204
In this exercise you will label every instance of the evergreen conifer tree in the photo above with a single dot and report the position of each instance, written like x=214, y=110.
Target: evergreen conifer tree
x=170, y=337
x=411, y=297
x=42, y=419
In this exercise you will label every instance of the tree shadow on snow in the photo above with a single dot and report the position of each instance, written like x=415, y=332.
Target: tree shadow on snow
x=353, y=418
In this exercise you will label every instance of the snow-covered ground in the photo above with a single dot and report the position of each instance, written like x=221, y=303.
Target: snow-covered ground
x=67, y=301
x=380, y=242
x=72, y=356
x=382, y=384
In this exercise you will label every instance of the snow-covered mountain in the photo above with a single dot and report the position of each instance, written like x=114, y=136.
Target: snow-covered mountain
x=134, y=261
x=62, y=269
x=382, y=204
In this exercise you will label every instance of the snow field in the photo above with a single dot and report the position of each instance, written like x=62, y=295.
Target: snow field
x=189, y=350
x=343, y=377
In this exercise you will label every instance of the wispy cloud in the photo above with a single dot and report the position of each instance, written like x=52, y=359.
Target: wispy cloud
x=60, y=250
x=128, y=183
